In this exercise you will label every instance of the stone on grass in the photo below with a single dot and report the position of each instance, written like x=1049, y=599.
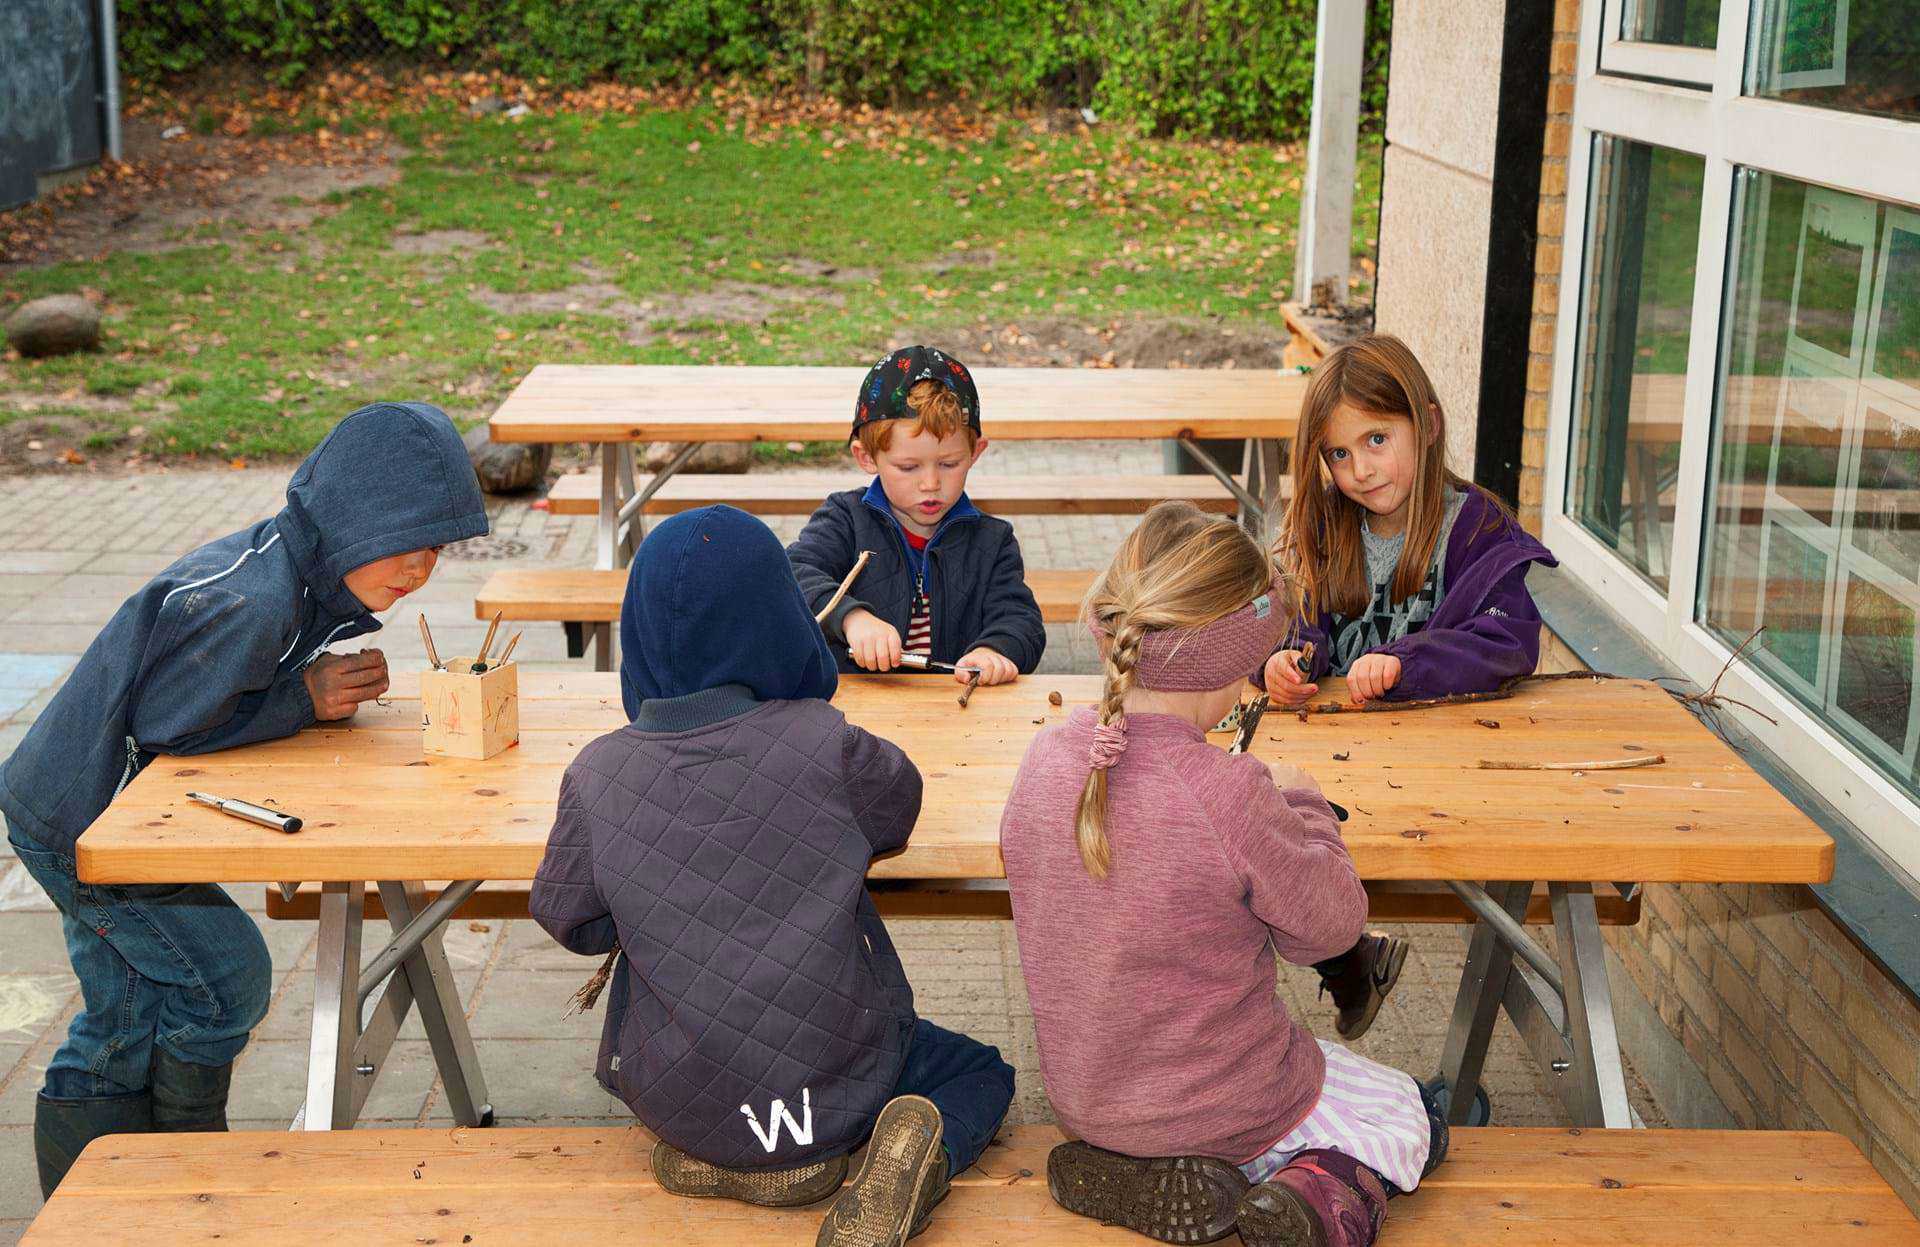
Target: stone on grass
x=712, y=457
x=507, y=467
x=56, y=325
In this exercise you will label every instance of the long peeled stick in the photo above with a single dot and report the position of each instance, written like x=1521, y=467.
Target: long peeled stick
x=859, y=565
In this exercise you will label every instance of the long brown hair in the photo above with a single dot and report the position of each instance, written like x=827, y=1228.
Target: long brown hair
x=1181, y=568
x=1320, y=542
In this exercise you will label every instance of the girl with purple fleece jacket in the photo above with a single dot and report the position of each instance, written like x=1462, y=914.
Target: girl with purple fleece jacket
x=1413, y=580
x=1154, y=877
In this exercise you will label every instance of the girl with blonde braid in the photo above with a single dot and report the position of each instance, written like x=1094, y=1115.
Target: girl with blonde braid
x=1154, y=877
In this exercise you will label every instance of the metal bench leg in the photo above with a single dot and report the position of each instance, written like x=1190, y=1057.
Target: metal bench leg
x=1595, y=1080
x=603, y=647
x=336, y=1010
x=441, y=1013
x=1476, y=1006
x=605, y=555
x=1261, y=467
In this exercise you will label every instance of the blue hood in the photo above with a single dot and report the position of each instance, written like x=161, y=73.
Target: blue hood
x=711, y=600
x=390, y=478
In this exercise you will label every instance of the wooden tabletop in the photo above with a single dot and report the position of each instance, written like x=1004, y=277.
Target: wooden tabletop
x=648, y=403
x=376, y=808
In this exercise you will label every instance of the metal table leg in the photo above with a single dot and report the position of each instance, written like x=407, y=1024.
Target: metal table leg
x=1595, y=1080
x=1483, y=985
x=1255, y=507
x=441, y=1013
x=336, y=1009
x=1559, y=1001
x=346, y=1055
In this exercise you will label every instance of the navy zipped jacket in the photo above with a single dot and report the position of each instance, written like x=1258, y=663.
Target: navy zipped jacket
x=975, y=578
x=212, y=652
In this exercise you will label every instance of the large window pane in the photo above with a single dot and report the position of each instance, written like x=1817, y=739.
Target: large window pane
x=1687, y=23
x=1643, y=226
x=1814, y=529
x=1862, y=56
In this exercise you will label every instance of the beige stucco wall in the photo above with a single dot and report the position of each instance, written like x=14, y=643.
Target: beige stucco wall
x=1442, y=104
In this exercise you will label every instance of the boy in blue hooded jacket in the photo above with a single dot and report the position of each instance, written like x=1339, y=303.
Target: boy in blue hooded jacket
x=223, y=648
x=758, y=1019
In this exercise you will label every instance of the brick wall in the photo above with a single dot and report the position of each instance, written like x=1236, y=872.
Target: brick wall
x=1549, y=254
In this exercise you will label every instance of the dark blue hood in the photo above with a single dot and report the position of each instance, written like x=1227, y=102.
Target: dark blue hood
x=711, y=600
x=390, y=478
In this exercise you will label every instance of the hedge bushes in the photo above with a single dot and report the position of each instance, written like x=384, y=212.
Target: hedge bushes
x=1227, y=67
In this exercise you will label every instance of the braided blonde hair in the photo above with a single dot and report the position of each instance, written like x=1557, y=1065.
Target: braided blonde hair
x=1181, y=568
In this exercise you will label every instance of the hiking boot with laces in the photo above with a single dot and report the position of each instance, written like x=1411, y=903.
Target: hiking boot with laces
x=1176, y=1199
x=1320, y=1199
x=1359, y=980
x=903, y=1174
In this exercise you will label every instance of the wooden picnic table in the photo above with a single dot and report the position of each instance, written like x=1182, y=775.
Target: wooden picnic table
x=1421, y=808
x=621, y=405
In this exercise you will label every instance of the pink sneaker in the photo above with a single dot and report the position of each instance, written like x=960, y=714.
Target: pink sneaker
x=1320, y=1199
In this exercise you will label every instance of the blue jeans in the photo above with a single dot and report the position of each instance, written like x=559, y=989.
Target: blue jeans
x=179, y=965
x=966, y=1080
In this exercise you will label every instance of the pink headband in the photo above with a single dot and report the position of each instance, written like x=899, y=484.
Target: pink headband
x=1195, y=660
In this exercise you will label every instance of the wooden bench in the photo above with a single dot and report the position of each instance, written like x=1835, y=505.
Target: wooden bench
x=799, y=493
x=583, y=599
x=1513, y=1187
x=1389, y=901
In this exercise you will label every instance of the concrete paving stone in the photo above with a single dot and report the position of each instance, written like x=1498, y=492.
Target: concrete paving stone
x=23, y=676
x=20, y=892
x=11, y=1232
x=30, y=1005
x=19, y=1176
x=41, y=562
x=119, y=562
x=544, y=1077
x=33, y=944
x=530, y=948
x=532, y=1005
x=46, y=638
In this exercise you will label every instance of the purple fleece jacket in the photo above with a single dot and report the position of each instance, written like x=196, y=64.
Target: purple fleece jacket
x=1486, y=628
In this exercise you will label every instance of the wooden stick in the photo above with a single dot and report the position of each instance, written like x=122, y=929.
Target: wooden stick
x=426, y=634
x=589, y=993
x=859, y=565
x=515, y=640
x=478, y=663
x=1612, y=764
x=966, y=694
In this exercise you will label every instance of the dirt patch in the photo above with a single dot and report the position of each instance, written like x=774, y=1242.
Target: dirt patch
x=819, y=270
x=438, y=242
x=951, y=260
x=188, y=182
x=728, y=301
x=1062, y=343
x=52, y=442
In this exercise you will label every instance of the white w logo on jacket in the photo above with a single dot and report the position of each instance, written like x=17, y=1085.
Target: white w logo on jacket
x=801, y=1131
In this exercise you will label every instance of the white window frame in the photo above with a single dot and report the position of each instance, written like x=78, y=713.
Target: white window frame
x=1871, y=156
x=1665, y=61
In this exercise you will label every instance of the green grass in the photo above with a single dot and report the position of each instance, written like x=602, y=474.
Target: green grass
x=250, y=343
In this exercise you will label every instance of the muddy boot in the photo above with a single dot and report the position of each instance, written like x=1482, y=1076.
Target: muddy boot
x=883, y=1204
x=1360, y=978
x=681, y=1174
x=1320, y=1199
x=1176, y=1199
x=62, y=1128
x=188, y=1096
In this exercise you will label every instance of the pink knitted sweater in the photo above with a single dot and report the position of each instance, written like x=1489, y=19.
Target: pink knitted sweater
x=1153, y=990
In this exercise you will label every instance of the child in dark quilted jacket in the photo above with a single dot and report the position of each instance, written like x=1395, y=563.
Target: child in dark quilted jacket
x=758, y=1020
x=945, y=583
x=1414, y=580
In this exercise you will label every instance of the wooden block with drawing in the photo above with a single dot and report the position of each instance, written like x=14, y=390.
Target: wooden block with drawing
x=468, y=714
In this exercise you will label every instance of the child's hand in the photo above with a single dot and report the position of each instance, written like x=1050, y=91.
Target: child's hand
x=995, y=667
x=872, y=641
x=1287, y=775
x=1286, y=683
x=338, y=683
x=1371, y=676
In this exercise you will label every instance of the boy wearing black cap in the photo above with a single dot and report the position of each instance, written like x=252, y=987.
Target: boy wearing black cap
x=945, y=581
